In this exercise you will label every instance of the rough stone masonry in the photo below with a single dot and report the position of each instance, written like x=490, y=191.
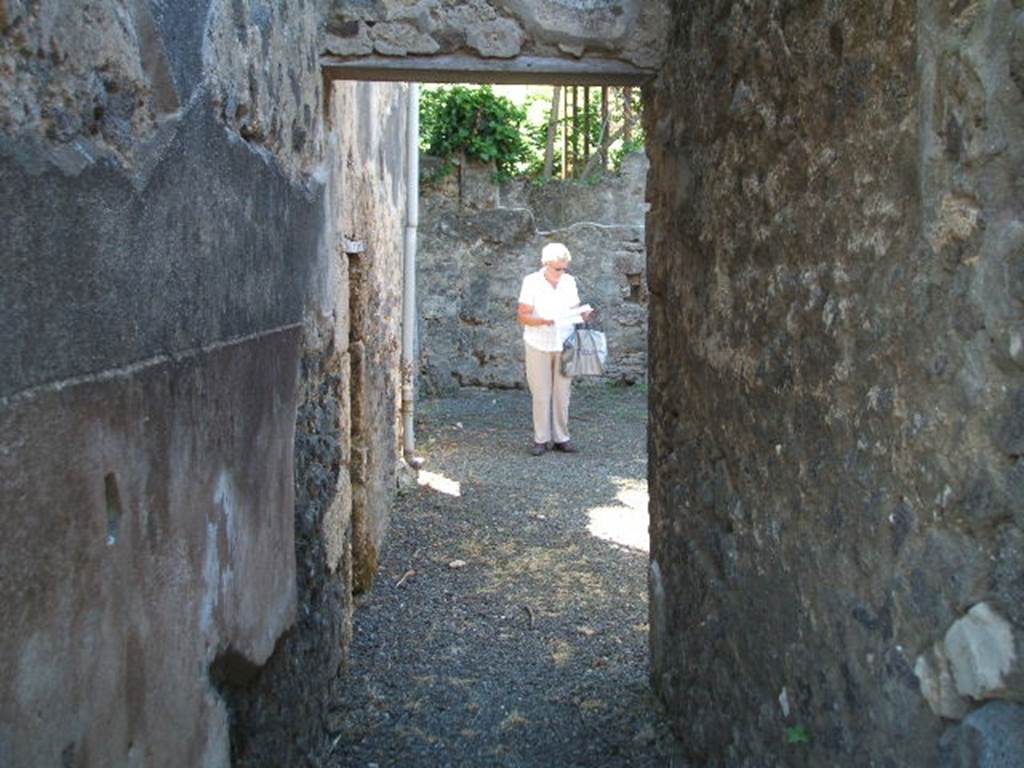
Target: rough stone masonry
x=499, y=30
x=478, y=239
x=836, y=266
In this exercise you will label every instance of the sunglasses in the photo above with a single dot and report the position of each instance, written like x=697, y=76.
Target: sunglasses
x=558, y=269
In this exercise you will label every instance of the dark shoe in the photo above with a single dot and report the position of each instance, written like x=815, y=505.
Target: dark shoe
x=566, y=447
x=538, y=449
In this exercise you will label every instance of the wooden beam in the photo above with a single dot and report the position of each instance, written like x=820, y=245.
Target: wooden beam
x=460, y=68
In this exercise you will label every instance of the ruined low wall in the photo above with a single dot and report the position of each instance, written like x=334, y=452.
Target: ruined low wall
x=837, y=383
x=174, y=386
x=477, y=242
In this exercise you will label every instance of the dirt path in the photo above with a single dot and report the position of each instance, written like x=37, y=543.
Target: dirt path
x=508, y=624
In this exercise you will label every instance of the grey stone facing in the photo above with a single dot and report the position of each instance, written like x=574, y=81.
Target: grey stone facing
x=990, y=737
x=831, y=245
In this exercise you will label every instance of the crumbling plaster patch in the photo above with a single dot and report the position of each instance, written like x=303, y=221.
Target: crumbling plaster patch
x=77, y=74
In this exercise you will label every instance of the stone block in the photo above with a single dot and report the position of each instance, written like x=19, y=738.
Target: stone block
x=337, y=524
x=1011, y=434
x=981, y=653
x=357, y=44
x=501, y=38
x=504, y=226
x=477, y=185
x=401, y=39
x=937, y=684
x=990, y=737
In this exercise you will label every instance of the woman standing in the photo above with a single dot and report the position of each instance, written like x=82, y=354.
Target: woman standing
x=546, y=303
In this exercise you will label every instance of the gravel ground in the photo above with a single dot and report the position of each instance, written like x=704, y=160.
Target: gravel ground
x=508, y=623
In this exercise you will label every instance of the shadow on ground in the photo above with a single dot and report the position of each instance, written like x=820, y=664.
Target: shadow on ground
x=508, y=624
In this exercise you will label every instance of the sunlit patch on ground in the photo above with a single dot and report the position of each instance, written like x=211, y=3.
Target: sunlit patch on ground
x=625, y=523
x=438, y=482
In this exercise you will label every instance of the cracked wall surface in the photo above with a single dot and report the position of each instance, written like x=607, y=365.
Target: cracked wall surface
x=836, y=382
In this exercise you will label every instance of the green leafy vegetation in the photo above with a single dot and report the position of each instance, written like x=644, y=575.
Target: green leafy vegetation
x=797, y=734
x=593, y=129
x=475, y=123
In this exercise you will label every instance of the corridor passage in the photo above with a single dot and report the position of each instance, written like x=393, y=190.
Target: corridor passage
x=508, y=623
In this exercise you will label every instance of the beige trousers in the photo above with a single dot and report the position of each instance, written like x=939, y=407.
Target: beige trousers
x=550, y=391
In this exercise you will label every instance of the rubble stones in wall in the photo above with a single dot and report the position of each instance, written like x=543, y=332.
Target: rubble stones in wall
x=937, y=684
x=617, y=200
x=626, y=29
x=982, y=654
x=990, y=737
x=977, y=660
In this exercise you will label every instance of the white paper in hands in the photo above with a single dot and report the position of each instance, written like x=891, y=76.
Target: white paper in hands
x=574, y=315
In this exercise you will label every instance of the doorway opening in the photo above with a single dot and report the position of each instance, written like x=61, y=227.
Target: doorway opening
x=508, y=615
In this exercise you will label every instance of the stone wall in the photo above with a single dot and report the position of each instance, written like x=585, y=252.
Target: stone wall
x=477, y=242
x=837, y=382
x=371, y=119
x=174, y=379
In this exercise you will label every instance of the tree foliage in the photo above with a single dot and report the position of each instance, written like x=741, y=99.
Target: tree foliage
x=474, y=122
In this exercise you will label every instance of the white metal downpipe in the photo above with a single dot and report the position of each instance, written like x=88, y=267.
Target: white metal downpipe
x=412, y=220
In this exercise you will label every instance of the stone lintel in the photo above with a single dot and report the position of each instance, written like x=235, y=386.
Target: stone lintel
x=459, y=68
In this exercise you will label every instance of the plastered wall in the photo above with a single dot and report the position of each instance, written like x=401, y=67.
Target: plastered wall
x=174, y=386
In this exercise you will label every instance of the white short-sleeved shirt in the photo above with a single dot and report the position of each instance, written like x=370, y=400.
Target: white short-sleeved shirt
x=549, y=302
